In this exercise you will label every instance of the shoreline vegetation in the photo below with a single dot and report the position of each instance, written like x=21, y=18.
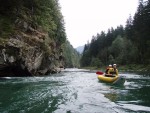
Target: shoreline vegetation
x=124, y=68
x=126, y=45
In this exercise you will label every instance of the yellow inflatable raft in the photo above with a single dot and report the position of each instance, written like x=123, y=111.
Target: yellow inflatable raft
x=113, y=80
x=107, y=79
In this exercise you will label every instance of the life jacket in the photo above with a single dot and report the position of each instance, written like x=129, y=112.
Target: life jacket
x=113, y=72
x=107, y=70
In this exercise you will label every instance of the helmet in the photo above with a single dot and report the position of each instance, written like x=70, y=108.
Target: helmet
x=114, y=64
x=110, y=65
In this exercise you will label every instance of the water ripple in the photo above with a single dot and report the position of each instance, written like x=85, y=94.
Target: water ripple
x=74, y=91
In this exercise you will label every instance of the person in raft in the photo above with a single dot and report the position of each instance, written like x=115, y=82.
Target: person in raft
x=110, y=66
x=112, y=71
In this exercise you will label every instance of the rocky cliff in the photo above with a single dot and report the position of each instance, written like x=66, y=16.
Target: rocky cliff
x=26, y=47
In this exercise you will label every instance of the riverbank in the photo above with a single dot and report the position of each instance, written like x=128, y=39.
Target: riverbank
x=130, y=67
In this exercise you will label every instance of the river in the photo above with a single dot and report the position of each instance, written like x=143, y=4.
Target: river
x=74, y=91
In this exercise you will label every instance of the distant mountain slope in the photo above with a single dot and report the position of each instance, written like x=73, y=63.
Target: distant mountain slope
x=71, y=56
x=80, y=49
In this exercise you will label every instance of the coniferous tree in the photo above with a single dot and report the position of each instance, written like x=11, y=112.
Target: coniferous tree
x=124, y=45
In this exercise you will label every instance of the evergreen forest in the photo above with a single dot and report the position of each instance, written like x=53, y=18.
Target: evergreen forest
x=122, y=45
x=71, y=56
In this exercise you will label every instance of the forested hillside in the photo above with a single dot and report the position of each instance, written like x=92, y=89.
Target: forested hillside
x=71, y=56
x=123, y=45
x=32, y=36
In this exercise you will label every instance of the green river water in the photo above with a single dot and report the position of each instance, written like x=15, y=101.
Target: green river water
x=74, y=91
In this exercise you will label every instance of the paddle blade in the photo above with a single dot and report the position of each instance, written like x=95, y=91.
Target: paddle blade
x=99, y=72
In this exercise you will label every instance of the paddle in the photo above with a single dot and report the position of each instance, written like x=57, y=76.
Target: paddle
x=99, y=72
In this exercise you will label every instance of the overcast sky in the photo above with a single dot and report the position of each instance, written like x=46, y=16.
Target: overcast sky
x=85, y=18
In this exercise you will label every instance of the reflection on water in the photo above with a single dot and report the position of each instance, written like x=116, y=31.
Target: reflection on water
x=112, y=96
x=74, y=91
x=134, y=96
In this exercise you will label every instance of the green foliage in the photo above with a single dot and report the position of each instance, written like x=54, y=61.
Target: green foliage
x=45, y=13
x=6, y=27
x=111, y=59
x=85, y=59
x=117, y=46
x=72, y=57
x=48, y=15
x=141, y=28
x=129, y=45
x=95, y=62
